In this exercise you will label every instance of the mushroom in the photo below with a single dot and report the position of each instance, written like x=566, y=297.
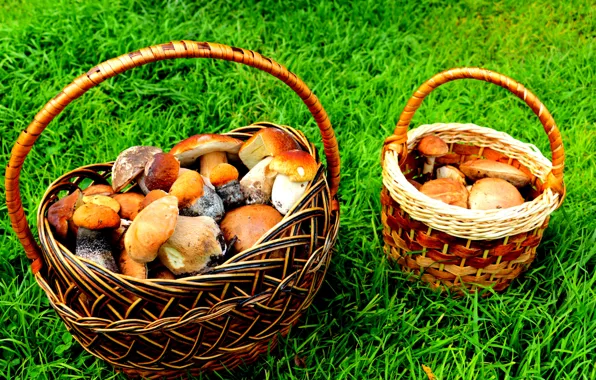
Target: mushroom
x=449, y=171
x=151, y=197
x=61, y=212
x=163, y=273
x=130, y=164
x=129, y=204
x=295, y=169
x=248, y=224
x=187, y=188
x=493, y=193
x=256, y=185
x=130, y=267
x=152, y=227
x=95, y=217
x=95, y=246
x=161, y=171
x=102, y=200
x=98, y=190
x=210, y=148
x=196, y=198
x=478, y=169
x=266, y=142
x=225, y=179
x=195, y=245
x=431, y=147
x=447, y=191
x=210, y=204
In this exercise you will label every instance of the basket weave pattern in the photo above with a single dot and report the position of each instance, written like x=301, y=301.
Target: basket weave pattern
x=453, y=247
x=221, y=319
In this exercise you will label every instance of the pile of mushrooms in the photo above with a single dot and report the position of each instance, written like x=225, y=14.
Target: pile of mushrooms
x=477, y=184
x=189, y=208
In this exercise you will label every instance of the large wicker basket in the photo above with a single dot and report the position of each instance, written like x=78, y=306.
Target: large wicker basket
x=453, y=247
x=169, y=328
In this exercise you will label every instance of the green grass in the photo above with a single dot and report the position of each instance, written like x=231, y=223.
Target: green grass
x=363, y=60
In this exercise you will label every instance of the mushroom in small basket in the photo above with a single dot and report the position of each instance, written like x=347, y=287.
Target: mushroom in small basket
x=431, y=147
x=447, y=191
x=256, y=185
x=478, y=169
x=129, y=204
x=449, y=171
x=294, y=168
x=161, y=171
x=493, y=193
x=94, y=245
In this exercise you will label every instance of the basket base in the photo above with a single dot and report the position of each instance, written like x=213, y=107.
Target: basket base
x=447, y=262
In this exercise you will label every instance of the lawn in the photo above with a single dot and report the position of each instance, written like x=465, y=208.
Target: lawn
x=363, y=60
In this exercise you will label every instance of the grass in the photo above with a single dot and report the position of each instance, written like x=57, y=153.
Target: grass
x=363, y=60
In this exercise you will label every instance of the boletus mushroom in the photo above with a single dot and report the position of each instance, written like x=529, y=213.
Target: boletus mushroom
x=294, y=168
x=130, y=267
x=452, y=172
x=447, y=191
x=266, y=142
x=478, y=169
x=248, y=224
x=152, y=227
x=431, y=147
x=130, y=164
x=195, y=245
x=61, y=212
x=98, y=190
x=256, y=185
x=493, y=193
x=96, y=217
x=129, y=204
x=224, y=177
x=102, y=200
x=161, y=171
x=95, y=246
x=210, y=149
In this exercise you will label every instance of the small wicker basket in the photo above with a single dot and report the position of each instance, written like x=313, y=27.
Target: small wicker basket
x=169, y=328
x=453, y=247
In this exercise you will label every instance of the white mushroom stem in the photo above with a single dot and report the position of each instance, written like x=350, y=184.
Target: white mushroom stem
x=429, y=165
x=210, y=160
x=256, y=185
x=286, y=193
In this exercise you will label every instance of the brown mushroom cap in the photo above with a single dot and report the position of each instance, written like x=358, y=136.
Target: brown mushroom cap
x=447, y=191
x=432, y=146
x=299, y=165
x=187, y=188
x=102, y=200
x=266, y=142
x=98, y=190
x=187, y=151
x=248, y=224
x=151, y=197
x=493, y=193
x=132, y=268
x=129, y=204
x=96, y=217
x=130, y=164
x=478, y=169
x=62, y=211
x=161, y=171
x=152, y=227
x=222, y=174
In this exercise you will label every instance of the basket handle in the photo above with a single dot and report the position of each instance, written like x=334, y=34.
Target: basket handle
x=114, y=66
x=398, y=140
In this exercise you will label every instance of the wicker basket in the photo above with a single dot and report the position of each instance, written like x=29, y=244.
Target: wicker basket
x=170, y=328
x=453, y=247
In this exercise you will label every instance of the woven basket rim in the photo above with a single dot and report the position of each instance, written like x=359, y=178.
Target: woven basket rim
x=472, y=224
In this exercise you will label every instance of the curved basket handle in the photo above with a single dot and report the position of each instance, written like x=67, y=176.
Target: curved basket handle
x=398, y=140
x=114, y=66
